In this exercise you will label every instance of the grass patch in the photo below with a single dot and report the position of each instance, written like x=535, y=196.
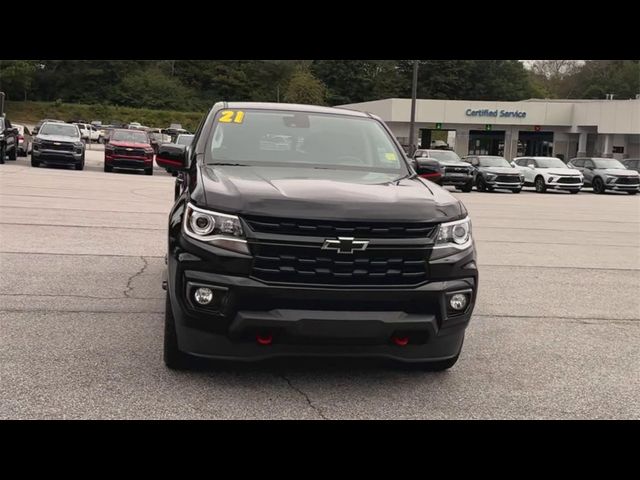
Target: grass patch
x=32, y=112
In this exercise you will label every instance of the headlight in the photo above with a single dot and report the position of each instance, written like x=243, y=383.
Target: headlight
x=491, y=176
x=454, y=234
x=610, y=179
x=219, y=229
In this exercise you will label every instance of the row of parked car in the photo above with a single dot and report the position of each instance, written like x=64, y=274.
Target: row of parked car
x=56, y=142
x=488, y=172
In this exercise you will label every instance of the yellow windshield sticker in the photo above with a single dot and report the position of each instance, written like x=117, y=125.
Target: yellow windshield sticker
x=391, y=157
x=229, y=116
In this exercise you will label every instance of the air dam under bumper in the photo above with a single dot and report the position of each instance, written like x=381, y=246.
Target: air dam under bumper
x=306, y=321
x=457, y=180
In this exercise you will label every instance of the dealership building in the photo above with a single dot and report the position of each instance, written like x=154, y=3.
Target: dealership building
x=561, y=128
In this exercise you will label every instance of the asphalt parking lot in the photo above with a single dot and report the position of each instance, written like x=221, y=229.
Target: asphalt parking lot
x=555, y=334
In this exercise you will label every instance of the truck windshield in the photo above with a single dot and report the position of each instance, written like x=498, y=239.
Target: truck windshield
x=493, y=162
x=63, y=129
x=302, y=139
x=550, y=163
x=129, y=136
x=444, y=155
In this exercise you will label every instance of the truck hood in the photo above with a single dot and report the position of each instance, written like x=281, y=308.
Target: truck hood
x=561, y=171
x=618, y=171
x=500, y=170
x=454, y=164
x=59, y=138
x=129, y=144
x=324, y=194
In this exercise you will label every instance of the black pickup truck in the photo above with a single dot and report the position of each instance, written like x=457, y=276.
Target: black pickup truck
x=8, y=140
x=305, y=231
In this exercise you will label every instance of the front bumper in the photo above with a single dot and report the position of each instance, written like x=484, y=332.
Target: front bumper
x=564, y=186
x=505, y=185
x=58, y=157
x=128, y=162
x=310, y=320
x=458, y=180
x=623, y=187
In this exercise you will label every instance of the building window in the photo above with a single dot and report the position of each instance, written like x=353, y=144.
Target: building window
x=618, y=149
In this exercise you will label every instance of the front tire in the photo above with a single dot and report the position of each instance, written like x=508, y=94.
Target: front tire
x=2, y=154
x=174, y=358
x=148, y=171
x=108, y=168
x=598, y=186
x=35, y=163
x=574, y=191
x=516, y=190
x=632, y=193
x=481, y=185
x=467, y=187
x=14, y=153
x=541, y=187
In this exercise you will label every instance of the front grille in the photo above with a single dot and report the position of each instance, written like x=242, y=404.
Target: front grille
x=130, y=152
x=330, y=228
x=63, y=147
x=311, y=265
x=456, y=170
x=118, y=163
x=508, y=178
x=627, y=181
x=569, y=180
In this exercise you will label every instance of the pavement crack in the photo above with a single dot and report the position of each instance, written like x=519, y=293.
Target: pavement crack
x=129, y=289
x=314, y=407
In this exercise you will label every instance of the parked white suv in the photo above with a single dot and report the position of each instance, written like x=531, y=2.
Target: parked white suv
x=548, y=172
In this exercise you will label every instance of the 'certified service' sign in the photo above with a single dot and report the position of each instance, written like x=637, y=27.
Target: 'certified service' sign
x=495, y=113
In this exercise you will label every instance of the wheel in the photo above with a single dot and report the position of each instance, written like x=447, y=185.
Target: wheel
x=148, y=171
x=481, y=185
x=574, y=191
x=80, y=166
x=14, y=153
x=22, y=153
x=598, y=185
x=467, y=187
x=2, y=153
x=34, y=163
x=541, y=187
x=108, y=168
x=516, y=190
x=174, y=358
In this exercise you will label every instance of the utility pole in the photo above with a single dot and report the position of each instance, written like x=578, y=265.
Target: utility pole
x=414, y=93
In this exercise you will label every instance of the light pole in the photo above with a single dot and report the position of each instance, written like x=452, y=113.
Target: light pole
x=414, y=92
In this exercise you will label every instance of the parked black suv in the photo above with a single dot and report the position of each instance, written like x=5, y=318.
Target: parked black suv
x=453, y=170
x=8, y=140
x=304, y=231
x=491, y=172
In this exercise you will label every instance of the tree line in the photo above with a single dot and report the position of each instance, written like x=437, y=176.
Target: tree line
x=194, y=85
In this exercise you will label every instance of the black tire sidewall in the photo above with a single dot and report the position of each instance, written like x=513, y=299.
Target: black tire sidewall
x=600, y=189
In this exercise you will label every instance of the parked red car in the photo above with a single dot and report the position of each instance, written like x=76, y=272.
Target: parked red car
x=129, y=150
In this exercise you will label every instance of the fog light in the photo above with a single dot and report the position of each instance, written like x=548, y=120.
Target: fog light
x=458, y=301
x=203, y=295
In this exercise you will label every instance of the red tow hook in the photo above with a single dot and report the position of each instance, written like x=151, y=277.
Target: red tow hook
x=401, y=341
x=264, y=339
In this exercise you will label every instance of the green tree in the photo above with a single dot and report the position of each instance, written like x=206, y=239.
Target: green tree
x=16, y=78
x=304, y=88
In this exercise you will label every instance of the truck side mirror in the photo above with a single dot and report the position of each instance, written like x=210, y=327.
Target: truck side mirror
x=172, y=156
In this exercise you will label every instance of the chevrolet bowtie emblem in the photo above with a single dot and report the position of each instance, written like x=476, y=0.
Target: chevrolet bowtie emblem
x=345, y=245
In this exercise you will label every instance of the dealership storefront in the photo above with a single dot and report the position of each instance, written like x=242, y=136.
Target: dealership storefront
x=561, y=128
